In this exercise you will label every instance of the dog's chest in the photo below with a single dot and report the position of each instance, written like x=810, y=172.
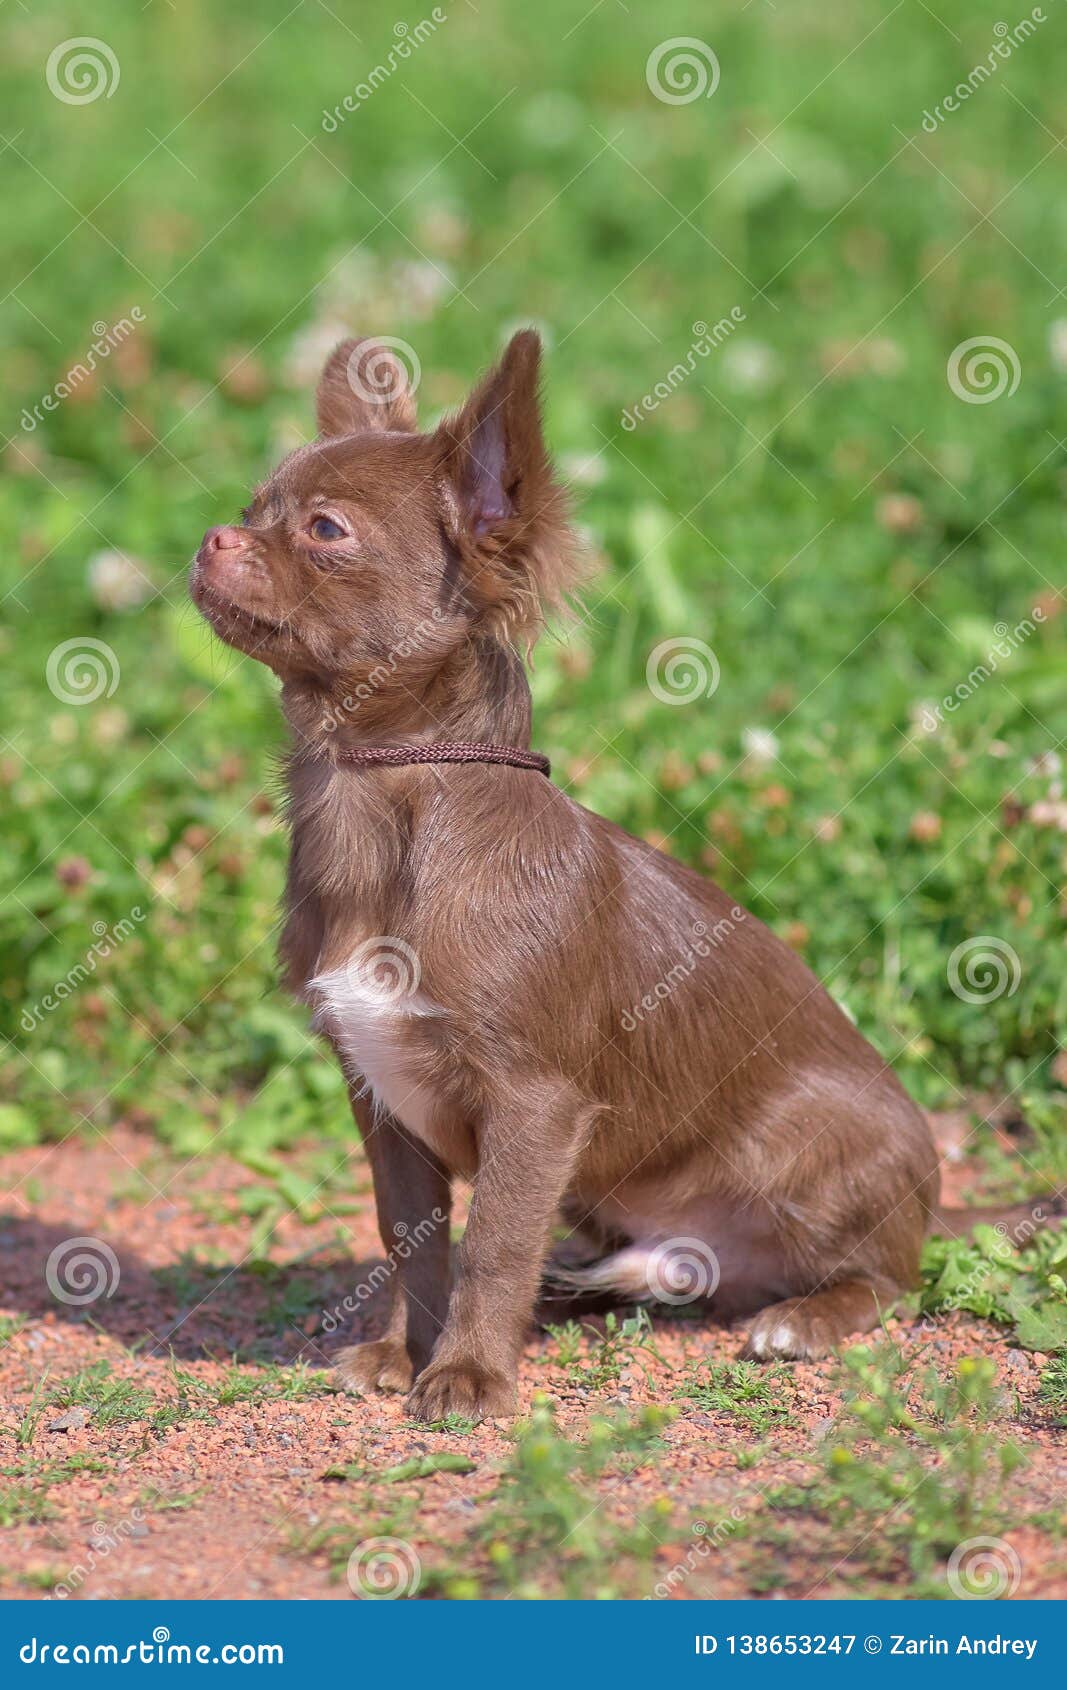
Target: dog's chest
x=375, y=1016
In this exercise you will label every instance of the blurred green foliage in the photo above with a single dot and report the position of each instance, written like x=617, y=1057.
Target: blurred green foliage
x=813, y=502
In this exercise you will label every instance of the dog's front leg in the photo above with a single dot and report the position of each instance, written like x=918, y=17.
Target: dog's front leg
x=413, y=1197
x=527, y=1147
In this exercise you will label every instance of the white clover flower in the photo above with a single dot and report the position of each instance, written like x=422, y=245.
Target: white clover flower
x=117, y=581
x=760, y=745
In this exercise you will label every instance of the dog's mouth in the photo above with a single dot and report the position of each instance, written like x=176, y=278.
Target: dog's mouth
x=248, y=629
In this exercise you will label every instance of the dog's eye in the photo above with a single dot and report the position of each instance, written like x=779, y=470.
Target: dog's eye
x=324, y=528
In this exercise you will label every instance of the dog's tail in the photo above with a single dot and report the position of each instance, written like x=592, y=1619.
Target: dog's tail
x=650, y=1270
x=686, y=1270
x=1017, y=1222
x=623, y=1272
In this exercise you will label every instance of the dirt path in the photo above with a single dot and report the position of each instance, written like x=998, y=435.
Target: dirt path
x=139, y=1458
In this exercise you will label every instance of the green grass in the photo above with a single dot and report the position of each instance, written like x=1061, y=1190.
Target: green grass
x=913, y=1470
x=749, y=510
x=114, y=1403
x=281, y=1384
x=543, y=1533
x=24, y=1491
x=593, y=1359
x=552, y=1520
x=756, y=1396
x=1053, y=1393
x=1024, y=1290
x=108, y=1401
x=916, y=1465
x=456, y=1424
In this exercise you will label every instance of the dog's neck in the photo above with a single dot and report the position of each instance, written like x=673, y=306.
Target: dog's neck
x=354, y=829
x=478, y=692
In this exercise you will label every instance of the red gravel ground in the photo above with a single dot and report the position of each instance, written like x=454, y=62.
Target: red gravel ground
x=226, y=1498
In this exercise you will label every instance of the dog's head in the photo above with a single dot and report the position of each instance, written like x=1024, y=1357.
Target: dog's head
x=377, y=551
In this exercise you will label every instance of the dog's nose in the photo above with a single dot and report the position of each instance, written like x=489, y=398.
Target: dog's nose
x=224, y=539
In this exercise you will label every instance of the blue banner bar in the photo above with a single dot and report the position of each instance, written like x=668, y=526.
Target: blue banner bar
x=543, y=1644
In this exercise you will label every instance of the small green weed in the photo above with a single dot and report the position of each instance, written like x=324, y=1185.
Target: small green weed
x=611, y=1350
x=284, y=1384
x=746, y=1392
x=109, y=1401
x=991, y=1278
x=25, y=1502
x=418, y=1467
x=911, y=1471
x=545, y=1529
x=1053, y=1388
x=457, y=1424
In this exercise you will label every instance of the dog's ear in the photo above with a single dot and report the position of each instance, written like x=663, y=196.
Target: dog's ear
x=506, y=512
x=364, y=385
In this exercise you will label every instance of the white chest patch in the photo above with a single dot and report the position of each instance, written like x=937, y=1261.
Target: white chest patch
x=372, y=1022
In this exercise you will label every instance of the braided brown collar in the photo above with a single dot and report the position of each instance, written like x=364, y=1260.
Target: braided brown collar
x=448, y=751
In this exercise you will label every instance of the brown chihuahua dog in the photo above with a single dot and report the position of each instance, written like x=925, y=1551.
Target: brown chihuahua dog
x=473, y=941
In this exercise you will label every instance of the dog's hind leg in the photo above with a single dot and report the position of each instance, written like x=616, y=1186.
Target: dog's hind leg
x=804, y=1328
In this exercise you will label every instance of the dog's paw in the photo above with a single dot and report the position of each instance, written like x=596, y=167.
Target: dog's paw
x=788, y=1332
x=379, y=1366
x=465, y=1388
